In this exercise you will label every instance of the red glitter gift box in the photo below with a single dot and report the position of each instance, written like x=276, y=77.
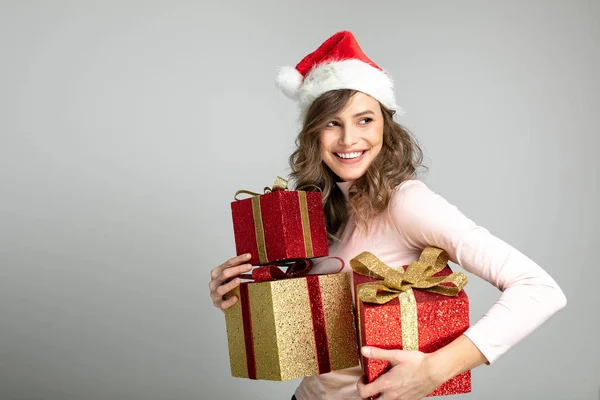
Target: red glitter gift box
x=420, y=307
x=280, y=225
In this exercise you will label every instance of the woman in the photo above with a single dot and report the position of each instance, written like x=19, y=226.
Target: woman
x=365, y=164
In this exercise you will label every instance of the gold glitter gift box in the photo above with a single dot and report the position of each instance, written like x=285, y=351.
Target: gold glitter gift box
x=292, y=328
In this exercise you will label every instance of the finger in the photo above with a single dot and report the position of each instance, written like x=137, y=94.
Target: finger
x=381, y=354
x=361, y=386
x=232, y=272
x=228, y=303
x=213, y=285
x=229, y=263
x=217, y=303
x=232, y=262
x=226, y=288
x=369, y=390
x=226, y=275
x=223, y=285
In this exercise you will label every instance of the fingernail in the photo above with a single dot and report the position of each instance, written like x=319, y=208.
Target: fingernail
x=247, y=255
x=365, y=351
x=248, y=266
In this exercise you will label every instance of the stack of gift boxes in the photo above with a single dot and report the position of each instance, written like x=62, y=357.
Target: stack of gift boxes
x=290, y=324
x=287, y=326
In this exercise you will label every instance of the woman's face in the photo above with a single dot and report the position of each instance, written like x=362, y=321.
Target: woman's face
x=353, y=138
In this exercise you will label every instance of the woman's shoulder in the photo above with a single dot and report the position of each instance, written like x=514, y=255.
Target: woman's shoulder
x=410, y=183
x=415, y=197
x=413, y=203
x=410, y=189
x=413, y=209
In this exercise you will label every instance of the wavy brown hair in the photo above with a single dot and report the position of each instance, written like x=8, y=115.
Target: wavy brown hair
x=399, y=159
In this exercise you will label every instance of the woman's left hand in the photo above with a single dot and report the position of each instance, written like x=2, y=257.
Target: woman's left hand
x=411, y=377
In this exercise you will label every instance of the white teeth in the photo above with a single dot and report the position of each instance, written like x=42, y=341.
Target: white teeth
x=350, y=155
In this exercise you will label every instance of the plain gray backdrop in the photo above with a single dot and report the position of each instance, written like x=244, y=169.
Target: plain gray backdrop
x=126, y=127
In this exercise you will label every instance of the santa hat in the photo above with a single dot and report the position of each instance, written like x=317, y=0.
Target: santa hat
x=339, y=63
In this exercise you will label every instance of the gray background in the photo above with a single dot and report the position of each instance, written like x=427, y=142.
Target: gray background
x=127, y=127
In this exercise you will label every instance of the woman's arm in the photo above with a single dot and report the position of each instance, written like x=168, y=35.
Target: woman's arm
x=455, y=358
x=529, y=294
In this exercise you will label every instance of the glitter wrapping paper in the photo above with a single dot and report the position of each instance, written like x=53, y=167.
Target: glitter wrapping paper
x=280, y=225
x=440, y=320
x=292, y=328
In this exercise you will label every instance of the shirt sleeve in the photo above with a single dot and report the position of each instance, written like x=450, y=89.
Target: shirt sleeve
x=529, y=294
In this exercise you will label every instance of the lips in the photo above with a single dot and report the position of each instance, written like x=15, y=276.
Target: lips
x=350, y=155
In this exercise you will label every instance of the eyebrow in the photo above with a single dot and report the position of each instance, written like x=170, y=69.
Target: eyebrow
x=363, y=113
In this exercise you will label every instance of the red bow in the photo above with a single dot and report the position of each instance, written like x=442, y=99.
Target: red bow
x=273, y=272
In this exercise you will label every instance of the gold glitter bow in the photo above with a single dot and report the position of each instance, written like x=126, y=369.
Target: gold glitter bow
x=418, y=275
x=280, y=184
x=394, y=283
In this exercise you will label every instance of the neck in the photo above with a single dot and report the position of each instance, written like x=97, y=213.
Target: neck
x=344, y=187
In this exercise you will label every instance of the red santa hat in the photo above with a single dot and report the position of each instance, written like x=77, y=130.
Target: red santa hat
x=339, y=63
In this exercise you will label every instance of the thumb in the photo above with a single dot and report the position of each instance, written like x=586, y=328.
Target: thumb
x=393, y=356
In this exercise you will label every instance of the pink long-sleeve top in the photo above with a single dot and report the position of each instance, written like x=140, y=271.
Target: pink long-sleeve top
x=416, y=218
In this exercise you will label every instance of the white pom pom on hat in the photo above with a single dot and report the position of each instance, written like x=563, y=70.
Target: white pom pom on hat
x=288, y=81
x=338, y=63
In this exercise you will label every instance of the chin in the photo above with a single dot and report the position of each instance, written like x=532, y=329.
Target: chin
x=350, y=177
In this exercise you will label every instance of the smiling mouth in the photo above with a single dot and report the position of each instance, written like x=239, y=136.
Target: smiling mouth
x=350, y=156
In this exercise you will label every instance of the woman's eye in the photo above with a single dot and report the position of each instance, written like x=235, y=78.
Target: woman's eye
x=332, y=123
x=365, y=120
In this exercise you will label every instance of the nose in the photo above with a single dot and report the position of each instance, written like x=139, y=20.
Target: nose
x=348, y=136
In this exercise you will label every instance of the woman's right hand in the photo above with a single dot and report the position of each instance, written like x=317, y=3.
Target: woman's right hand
x=224, y=278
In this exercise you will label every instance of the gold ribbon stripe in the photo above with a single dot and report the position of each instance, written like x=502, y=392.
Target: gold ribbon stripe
x=260, y=232
x=305, y=224
x=409, y=320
